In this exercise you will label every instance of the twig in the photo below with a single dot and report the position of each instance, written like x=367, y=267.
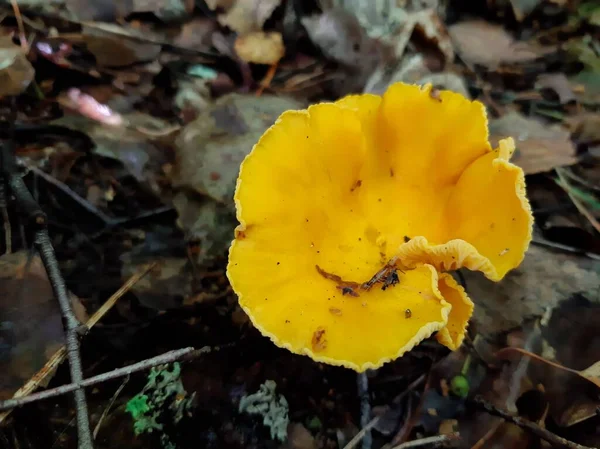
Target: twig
x=359, y=436
x=110, y=302
x=365, y=407
x=29, y=207
x=438, y=440
x=578, y=204
x=71, y=194
x=73, y=330
x=266, y=81
x=489, y=434
x=5, y=219
x=534, y=428
x=109, y=406
x=404, y=433
x=566, y=248
x=59, y=356
x=167, y=357
x=22, y=38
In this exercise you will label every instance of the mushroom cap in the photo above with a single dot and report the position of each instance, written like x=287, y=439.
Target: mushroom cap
x=340, y=189
x=260, y=47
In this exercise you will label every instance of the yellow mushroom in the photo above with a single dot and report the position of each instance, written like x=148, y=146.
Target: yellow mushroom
x=351, y=212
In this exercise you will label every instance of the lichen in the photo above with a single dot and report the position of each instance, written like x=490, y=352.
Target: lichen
x=272, y=407
x=163, y=391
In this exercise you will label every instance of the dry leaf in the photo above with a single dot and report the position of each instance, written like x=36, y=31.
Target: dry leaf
x=299, y=438
x=559, y=84
x=260, y=47
x=31, y=325
x=480, y=42
x=590, y=374
x=522, y=8
x=539, y=147
x=214, y=4
x=248, y=15
x=542, y=281
x=432, y=29
x=167, y=10
x=586, y=128
x=16, y=72
x=339, y=35
x=196, y=34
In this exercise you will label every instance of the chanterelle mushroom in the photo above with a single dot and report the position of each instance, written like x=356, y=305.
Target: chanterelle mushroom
x=351, y=212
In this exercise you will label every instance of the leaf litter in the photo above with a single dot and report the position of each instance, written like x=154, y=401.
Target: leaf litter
x=131, y=122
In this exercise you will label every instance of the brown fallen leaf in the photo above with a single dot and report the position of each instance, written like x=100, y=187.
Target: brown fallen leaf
x=591, y=374
x=111, y=50
x=195, y=34
x=31, y=324
x=539, y=147
x=209, y=151
x=247, y=15
x=480, y=42
x=16, y=71
x=299, y=438
x=585, y=128
x=260, y=48
x=110, y=10
x=542, y=281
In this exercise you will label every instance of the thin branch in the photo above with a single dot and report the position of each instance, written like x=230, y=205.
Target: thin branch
x=360, y=435
x=534, y=428
x=578, y=204
x=59, y=356
x=71, y=194
x=5, y=218
x=109, y=406
x=73, y=328
x=22, y=38
x=7, y=231
x=110, y=302
x=438, y=440
x=167, y=357
x=29, y=207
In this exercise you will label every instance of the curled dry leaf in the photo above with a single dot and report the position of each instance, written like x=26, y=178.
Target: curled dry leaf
x=260, y=47
x=539, y=147
x=480, y=42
